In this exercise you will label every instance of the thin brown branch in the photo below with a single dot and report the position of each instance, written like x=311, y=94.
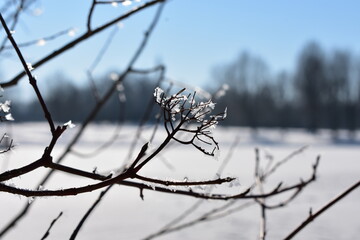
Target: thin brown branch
x=21, y=171
x=206, y=217
x=100, y=103
x=46, y=39
x=89, y=211
x=15, y=21
x=80, y=39
x=182, y=183
x=283, y=161
x=32, y=79
x=89, y=18
x=313, y=216
x=63, y=192
x=120, y=180
x=51, y=225
x=170, y=225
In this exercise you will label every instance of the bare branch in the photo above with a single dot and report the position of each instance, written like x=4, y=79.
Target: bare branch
x=87, y=214
x=32, y=79
x=51, y=225
x=186, y=183
x=313, y=216
x=45, y=39
x=80, y=39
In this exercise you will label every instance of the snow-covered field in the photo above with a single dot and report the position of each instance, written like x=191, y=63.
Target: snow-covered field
x=123, y=215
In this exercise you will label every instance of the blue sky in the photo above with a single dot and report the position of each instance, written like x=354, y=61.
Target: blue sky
x=193, y=36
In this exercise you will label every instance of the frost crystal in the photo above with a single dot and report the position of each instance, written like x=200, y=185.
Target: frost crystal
x=41, y=42
x=29, y=66
x=225, y=113
x=114, y=76
x=126, y=3
x=158, y=94
x=9, y=117
x=184, y=110
x=211, y=105
x=72, y=32
x=5, y=107
x=31, y=199
x=69, y=124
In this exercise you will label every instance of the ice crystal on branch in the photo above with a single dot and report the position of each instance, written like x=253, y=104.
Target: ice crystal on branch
x=5, y=107
x=41, y=42
x=69, y=124
x=72, y=32
x=29, y=66
x=9, y=117
x=126, y=3
x=182, y=113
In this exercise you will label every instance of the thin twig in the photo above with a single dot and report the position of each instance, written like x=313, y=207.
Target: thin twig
x=182, y=183
x=51, y=225
x=208, y=216
x=313, y=216
x=105, y=98
x=47, y=38
x=80, y=39
x=87, y=214
x=89, y=18
x=170, y=225
x=32, y=79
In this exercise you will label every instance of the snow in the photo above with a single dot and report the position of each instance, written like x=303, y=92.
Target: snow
x=123, y=215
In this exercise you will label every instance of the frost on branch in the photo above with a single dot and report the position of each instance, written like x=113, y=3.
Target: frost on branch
x=5, y=108
x=5, y=115
x=189, y=121
x=69, y=124
x=29, y=66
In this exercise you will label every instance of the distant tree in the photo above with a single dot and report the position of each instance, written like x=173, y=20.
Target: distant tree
x=336, y=90
x=351, y=103
x=65, y=99
x=245, y=75
x=284, y=98
x=310, y=81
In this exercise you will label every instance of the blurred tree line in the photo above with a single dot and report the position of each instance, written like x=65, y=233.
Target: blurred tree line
x=69, y=101
x=322, y=92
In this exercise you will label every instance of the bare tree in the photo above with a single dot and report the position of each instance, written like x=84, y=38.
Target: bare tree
x=310, y=79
